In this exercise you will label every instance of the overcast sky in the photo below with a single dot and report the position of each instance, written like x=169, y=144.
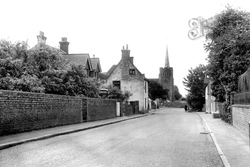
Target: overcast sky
x=102, y=27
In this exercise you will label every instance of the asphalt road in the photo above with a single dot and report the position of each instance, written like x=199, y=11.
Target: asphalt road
x=169, y=138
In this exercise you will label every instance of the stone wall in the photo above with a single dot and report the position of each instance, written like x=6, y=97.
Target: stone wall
x=99, y=109
x=241, y=117
x=21, y=111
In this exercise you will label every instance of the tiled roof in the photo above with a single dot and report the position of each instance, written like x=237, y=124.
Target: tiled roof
x=103, y=76
x=79, y=59
x=111, y=70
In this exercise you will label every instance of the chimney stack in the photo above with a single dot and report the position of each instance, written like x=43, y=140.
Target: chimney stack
x=64, y=45
x=131, y=59
x=125, y=53
x=41, y=39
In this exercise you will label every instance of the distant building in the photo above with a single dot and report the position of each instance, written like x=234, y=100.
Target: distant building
x=127, y=77
x=166, y=78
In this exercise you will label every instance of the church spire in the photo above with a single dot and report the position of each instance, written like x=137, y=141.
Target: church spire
x=167, y=58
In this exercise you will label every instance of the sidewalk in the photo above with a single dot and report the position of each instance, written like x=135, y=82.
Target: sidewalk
x=231, y=143
x=16, y=139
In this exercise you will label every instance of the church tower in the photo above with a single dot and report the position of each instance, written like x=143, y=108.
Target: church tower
x=166, y=78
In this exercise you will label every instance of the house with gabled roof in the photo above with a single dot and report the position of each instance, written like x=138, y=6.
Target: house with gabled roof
x=80, y=59
x=96, y=67
x=92, y=66
x=127, y=77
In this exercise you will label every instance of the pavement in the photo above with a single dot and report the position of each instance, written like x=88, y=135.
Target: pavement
x=231, y=143
x=16, y=139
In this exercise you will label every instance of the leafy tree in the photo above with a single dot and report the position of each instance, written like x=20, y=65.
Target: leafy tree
x=228, y=46
x=194, y=83
x=43, y=58
x=12, y=68
x=177, y=94
x=42, y=69
x=116, y=93
x=78, y=83
x=12, y=57
x=156, y=91
x=183, y=99
x=29, y=83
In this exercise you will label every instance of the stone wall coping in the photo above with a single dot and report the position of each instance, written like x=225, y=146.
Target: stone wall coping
x=34, y=93
x=98, y=98
x=242, y=105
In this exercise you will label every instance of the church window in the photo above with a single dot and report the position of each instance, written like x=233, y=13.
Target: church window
x=131, y=71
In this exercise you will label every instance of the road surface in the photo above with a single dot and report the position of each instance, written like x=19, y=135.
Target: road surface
x=169, y=138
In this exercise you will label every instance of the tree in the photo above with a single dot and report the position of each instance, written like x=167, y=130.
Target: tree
x=42, y=69
x=116, y=93
x=78, y=83
x=194, y=83
x=228, y=46
x=156, y=91
x=13, y=75
x=177, y=94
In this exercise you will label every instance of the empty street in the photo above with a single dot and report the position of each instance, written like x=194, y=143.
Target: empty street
x=168, y=137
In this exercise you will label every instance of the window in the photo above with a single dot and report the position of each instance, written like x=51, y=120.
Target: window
x=117, y=84
x=131, y=71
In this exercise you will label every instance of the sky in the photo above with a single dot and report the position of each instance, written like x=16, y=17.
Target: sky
x=103, y=27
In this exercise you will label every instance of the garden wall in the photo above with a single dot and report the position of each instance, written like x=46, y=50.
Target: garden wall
x=98, y=109
x=241, y=100
x=130, y=108
x=22, y=111
x=241, y=117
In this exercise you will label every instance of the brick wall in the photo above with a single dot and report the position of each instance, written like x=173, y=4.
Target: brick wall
x=130, y=108
x=241, y=117
x=22, y=111
x=84, y=109
x=99, y=109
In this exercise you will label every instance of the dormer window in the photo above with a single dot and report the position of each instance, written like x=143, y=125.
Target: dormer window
x=131, y=71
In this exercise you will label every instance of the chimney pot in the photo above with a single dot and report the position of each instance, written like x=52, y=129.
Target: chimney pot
x=41, y=38
x=64, y=39
x=41, y=33
x=125, y=53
